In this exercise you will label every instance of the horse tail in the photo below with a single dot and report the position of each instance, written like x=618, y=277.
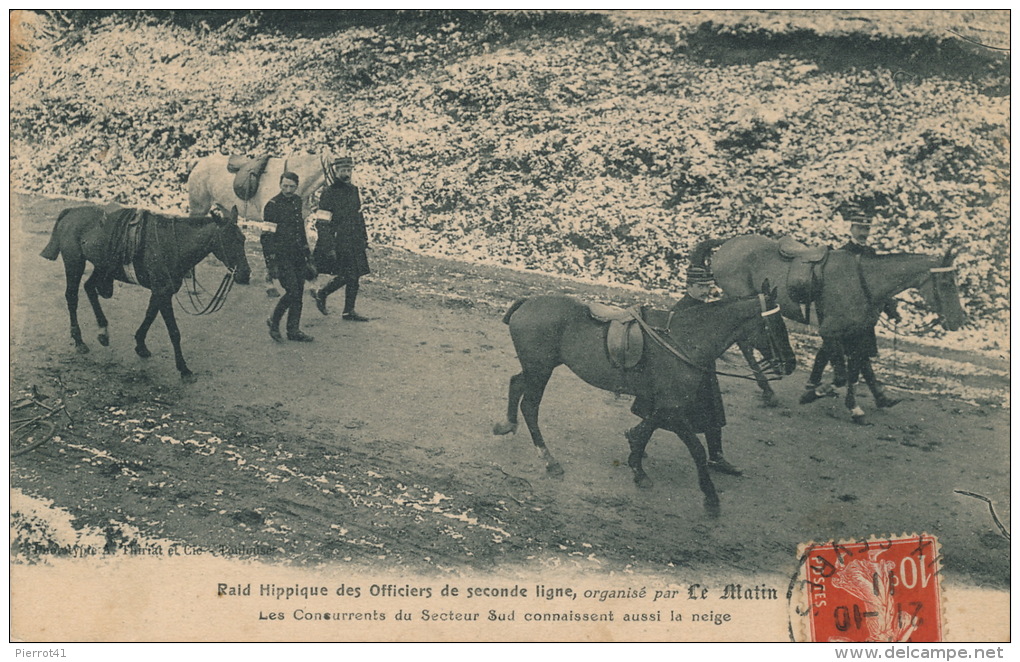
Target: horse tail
x=52, y=249
x=513, y=308
x=702, y=251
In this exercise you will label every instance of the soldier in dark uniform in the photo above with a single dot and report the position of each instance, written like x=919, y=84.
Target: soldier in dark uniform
x=341, y=248
x=861, y=342
x=707, y=415
x=293, y=259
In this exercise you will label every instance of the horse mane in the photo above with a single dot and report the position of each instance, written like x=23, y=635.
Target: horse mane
x=709, y=307
x=883, y=256
x=169, y=219
x=701, y=252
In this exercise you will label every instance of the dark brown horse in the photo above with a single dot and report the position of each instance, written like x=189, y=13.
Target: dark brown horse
x=851, y=291
x=549, y=331
x=166, y=249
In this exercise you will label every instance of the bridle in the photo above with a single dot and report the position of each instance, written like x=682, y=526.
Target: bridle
x=327, y=170
x=770, y=334
x=936, y=288
x=937, y=294
x=219, y=297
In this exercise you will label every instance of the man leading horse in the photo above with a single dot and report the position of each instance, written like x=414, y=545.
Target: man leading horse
x=708, y=416
x=859, y=343
x=848, y=288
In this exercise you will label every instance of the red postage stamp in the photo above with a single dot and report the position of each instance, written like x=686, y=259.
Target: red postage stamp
x=878, y=590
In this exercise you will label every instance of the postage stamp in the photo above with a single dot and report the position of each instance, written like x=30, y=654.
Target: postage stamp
x=876, y=590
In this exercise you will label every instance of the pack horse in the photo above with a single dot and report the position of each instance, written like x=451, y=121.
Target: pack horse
x=135, y=246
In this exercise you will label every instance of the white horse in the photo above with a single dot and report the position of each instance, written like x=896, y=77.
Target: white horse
x=210, y=183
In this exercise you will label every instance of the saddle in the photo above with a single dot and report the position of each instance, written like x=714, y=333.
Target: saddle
x=803, y=278
x=625, y=341
x=124, y=229
x=249, y=172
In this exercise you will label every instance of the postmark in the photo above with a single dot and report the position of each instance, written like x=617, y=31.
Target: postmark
x=876, y=590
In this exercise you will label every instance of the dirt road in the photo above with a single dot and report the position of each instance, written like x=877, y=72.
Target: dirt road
x=373, y=444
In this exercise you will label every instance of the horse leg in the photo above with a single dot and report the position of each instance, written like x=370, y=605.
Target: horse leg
x=143, y=329
x=839, y=364
x=534, y=388
x=680, y=427
x=638, y=437
x=853, y=371
x=768, y=396
x=92, y=291
x=881, y=399
x=513, y=402
x=814, y=389
x=74, y=268
x=166, y=309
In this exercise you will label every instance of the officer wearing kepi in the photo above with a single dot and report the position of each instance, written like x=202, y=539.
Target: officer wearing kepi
x=862, y=341
x=705, y=413
x=341, y=248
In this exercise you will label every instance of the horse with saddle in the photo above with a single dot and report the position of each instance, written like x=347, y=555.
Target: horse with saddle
x=847, y=290
x=659, y=357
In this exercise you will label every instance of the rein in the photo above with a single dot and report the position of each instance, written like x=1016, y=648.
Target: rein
x=677, y=352
x=215, y=303
x=219, y=298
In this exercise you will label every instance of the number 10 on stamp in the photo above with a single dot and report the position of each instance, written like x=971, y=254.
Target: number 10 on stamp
x=878, y=590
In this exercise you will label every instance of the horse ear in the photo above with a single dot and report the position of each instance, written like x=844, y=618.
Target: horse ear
x=766, y=286
x=950, y=255
x=233, y=215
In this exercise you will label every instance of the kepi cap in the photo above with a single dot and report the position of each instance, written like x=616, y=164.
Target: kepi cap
x=854, y=214
x=699, y=275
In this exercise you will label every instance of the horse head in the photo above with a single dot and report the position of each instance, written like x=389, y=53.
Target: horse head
x=229, y=247
x=770, y=336
x=941, y=294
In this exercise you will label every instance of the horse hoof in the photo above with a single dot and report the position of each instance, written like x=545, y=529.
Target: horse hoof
x=554, y=470
x=143, y=351
x=860, y=420
x=188, y=377
x=712, y=509
x=885, y=402
x=104, y=340
x=808, y=397
x=769, y=400
x=82, y=348
x=504, y=428
x=644, y=482
x=272, y=292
